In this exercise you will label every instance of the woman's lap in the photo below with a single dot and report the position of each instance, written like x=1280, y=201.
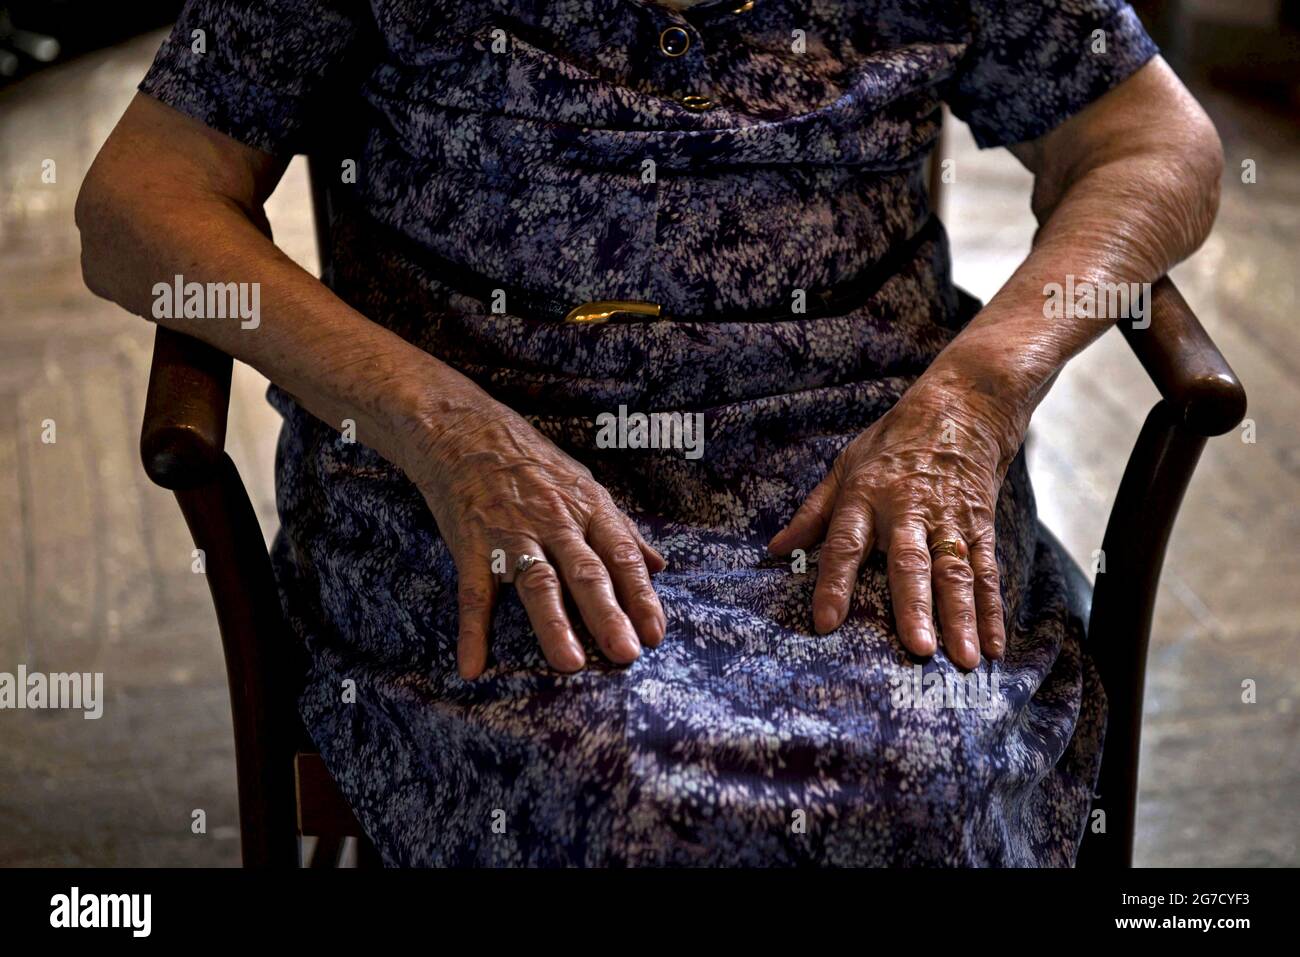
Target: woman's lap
x=776, y=748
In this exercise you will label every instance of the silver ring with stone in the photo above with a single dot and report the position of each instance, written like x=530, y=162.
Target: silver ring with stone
x=525, y=562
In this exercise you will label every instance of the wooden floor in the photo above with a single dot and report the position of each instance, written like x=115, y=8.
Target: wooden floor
x=95, y=565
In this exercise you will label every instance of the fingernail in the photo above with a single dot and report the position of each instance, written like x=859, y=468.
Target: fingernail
x=927, y=640
x=825, y=619
x=465, y=667
x=655, y=630
x=571, y=656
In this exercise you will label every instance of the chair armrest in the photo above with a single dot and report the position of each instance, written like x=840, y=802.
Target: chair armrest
x=1201, y=397
x=183, y=436
x=1186, y=366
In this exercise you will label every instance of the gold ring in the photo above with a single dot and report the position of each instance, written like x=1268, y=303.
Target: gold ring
x=950, y=546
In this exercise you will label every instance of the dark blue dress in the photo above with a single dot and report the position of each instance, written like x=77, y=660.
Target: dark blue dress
x=714, y=161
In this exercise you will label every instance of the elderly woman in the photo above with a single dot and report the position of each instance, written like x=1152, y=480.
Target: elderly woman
x=534, y=640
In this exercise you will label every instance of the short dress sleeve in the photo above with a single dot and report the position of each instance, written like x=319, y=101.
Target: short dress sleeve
x=264, y=72
x=1033, y=64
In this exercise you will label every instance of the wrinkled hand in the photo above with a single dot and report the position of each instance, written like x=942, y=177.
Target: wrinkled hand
x=496, y=483
x=928, y=470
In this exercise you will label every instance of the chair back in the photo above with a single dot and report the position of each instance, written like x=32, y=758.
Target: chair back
x=321, y=176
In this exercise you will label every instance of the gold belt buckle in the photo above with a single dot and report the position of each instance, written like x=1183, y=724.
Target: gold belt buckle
x=593, y=313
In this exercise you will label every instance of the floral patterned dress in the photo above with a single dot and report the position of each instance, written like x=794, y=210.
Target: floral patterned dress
x=719, y=160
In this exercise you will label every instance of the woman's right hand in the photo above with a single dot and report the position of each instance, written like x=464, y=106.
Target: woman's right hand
x=494, y=482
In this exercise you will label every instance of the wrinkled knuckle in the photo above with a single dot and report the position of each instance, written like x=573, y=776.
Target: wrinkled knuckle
x=626, y=556
x=839, y=473
x=918, y=609
x=537, y=581
x=645, y=595
x=552, y=625
x=610, y=623
x=964, y=617
x=909, y=559
x=473, y=599
x=835, y=587
x=587, y=572
x=848, y=541
x=955, y=573
x=855, y=489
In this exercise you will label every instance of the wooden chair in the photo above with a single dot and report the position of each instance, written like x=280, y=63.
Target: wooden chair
x=284, y=788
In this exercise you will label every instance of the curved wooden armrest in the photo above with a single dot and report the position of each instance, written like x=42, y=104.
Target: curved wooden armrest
x=184, y=433
x=1185, y=364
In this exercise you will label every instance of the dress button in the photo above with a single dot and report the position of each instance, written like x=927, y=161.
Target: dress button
x=674, y=41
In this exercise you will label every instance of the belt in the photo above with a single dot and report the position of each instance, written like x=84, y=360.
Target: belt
x=839, y=299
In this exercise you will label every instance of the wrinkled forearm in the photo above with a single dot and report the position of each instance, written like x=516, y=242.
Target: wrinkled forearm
x=335, y=361
x=1125, y=213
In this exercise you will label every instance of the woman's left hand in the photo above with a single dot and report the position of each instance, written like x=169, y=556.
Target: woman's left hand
x=927, y=471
